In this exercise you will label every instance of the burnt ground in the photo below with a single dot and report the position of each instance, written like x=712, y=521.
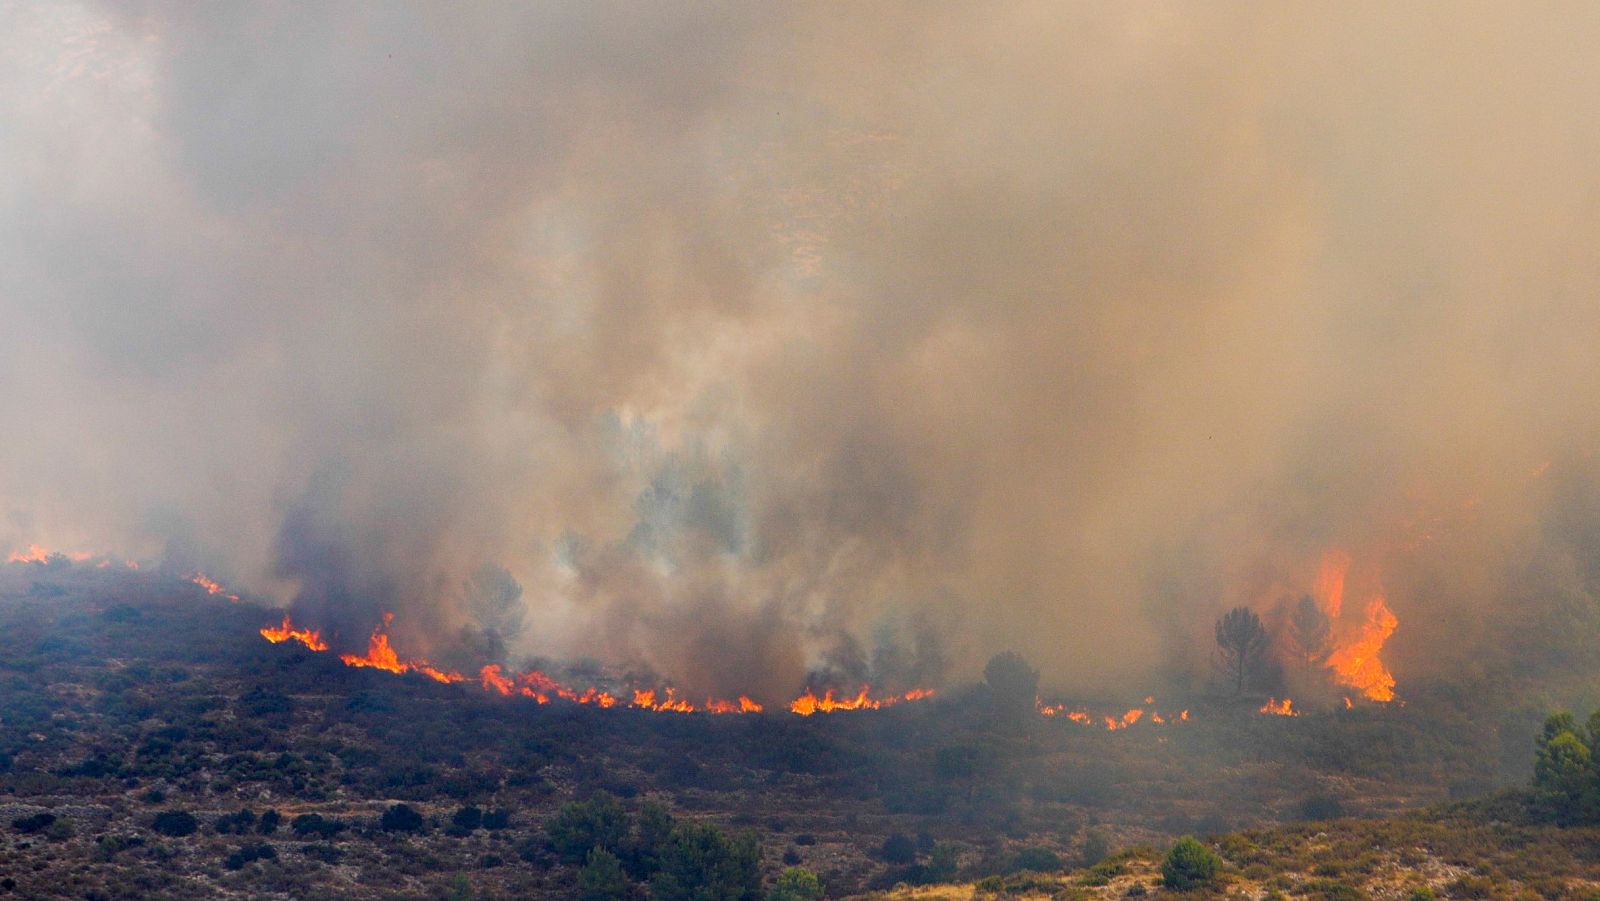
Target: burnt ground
x=124, y=696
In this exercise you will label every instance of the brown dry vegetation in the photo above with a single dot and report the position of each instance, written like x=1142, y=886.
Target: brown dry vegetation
x=126, y=695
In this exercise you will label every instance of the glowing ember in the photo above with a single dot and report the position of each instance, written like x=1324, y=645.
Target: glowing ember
x=211, y=587
x=308, y=637
x=1276, y=707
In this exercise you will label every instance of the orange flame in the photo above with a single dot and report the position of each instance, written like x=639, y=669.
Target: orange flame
x=542, y=688
x=40, y=554
x=809, y=703
x=743, y=705
x=1354, y=661
x=1126, y=720
x=311, y=638
x=381, y=656
x=1276, y=707
x=211, y=587
x=1112, y=723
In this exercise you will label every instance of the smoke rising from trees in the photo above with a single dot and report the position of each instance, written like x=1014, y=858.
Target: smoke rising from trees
x=727, y=331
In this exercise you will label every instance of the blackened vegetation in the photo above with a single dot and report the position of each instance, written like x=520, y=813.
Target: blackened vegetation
x=179, y=754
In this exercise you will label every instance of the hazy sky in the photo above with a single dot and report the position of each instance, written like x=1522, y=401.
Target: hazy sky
x=742, y=333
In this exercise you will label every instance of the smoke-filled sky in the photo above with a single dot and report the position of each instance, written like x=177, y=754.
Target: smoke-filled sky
x=753, y=340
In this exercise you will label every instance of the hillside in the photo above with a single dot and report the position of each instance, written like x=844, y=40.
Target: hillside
x=1475, y=850
x=133, y=695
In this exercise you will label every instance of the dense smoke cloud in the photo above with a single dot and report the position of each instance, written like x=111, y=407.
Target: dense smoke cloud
x=758, y=342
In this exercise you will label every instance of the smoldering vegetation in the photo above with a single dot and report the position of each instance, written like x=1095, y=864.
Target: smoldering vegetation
x=756, y=345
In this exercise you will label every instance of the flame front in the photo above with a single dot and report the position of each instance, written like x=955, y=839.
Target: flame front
x=543, y=689
x=211, y=587
x=1276, y=707
x=40, y=554
x=1110, y=722
x=810, y=703
x=311, y=638
x=533, y=684
x=381, y=656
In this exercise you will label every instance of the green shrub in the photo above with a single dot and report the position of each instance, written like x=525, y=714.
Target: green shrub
x=307, y=824
x=29, y=825
x=175, y=823
x=796, y=884
x=581, y=826
x=700, y=861
x=1189, y=865
x=898, y=848
x=1040, y=860
x=61, y=830
x=401, y=818
x=601, y=878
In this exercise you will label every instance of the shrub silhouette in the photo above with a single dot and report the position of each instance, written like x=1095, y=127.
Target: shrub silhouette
x=401, y=818
x=175, y=823
x=1189, y=865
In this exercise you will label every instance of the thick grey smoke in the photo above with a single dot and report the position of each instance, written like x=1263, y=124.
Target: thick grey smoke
x=755, y=342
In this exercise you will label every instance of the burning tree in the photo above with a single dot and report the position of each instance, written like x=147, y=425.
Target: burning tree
x=1241, y=642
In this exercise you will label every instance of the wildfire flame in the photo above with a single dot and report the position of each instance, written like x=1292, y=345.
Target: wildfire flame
x=1276, y=707
x=810, y=703
x=311, y=638
x=539, y=686
x=381, y=656
x=211, y=586
x=1111, y=723
x=40, y=554
x=1354, y=661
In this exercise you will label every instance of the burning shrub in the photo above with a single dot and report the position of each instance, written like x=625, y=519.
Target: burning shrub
x=176, y=823
x=1189, y=865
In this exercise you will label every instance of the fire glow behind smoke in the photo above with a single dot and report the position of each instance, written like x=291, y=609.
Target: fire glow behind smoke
x=737, y=335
